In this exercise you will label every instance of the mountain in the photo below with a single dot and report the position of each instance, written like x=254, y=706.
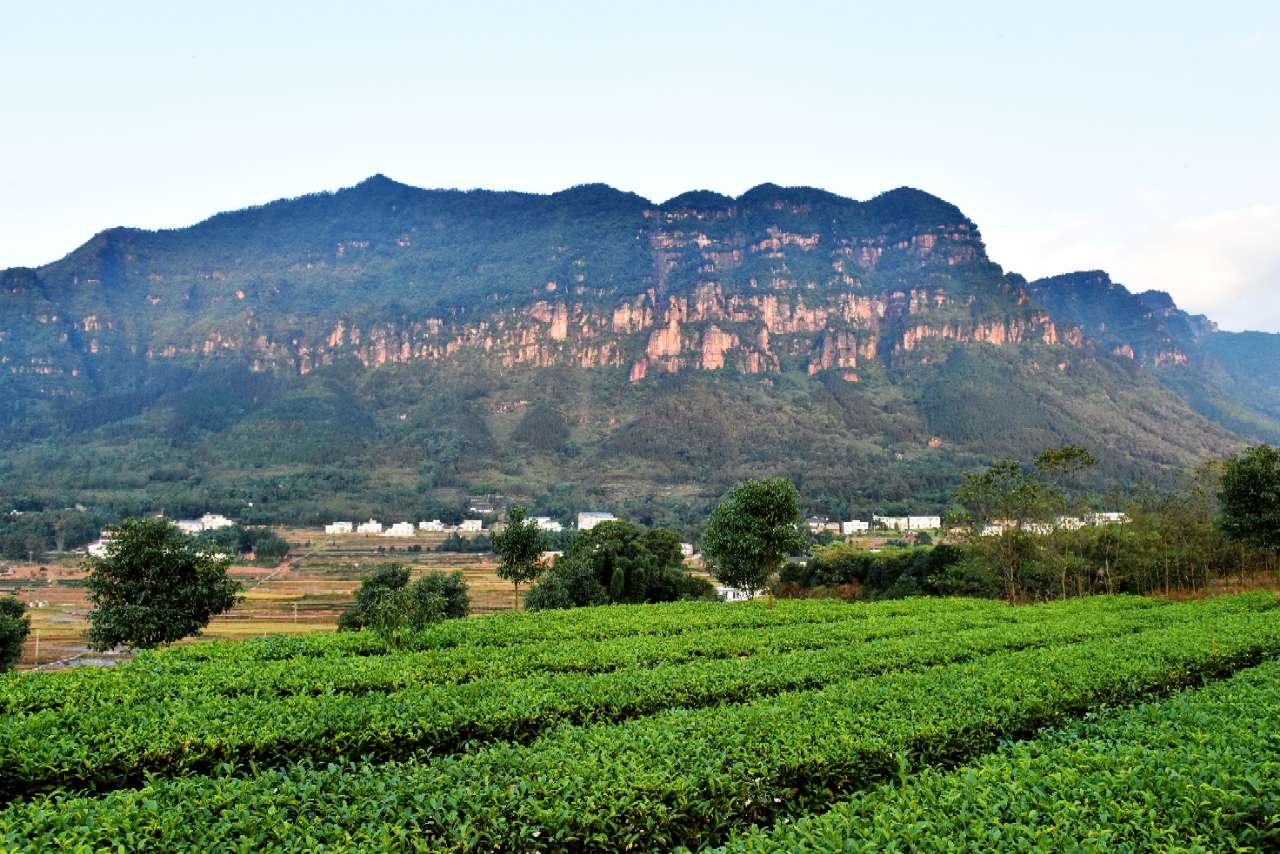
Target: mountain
x=388, y=350
x=1232, y=378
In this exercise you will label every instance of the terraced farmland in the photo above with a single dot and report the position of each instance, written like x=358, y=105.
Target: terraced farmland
x=806, y=726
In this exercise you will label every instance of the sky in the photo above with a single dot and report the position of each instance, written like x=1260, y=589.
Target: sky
x=1139, y=138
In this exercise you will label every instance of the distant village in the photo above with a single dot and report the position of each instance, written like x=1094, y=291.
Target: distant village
x=586, y=520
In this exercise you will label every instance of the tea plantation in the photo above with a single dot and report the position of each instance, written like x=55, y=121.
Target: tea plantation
x=1108, y=723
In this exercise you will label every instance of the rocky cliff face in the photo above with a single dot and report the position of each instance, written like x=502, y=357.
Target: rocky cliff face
x=776, y=279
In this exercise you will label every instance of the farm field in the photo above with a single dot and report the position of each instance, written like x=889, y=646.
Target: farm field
x=304, y=594
x=809, y=725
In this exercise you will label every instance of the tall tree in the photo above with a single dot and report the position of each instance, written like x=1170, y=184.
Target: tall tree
x=153, y=587
x=15, y=623
x=751, y=532
x=1008, y=497
x=519, y=548
x=1250, y=497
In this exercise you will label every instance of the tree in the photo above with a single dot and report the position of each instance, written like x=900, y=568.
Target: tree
x=519, y=550
x=438, y=596
x=616, y=562
x=153, y=587
x=15, y=624
x=1011, y=496
x=385, y=577
x=389, y=605
x=1250, y=497
x=751, y=532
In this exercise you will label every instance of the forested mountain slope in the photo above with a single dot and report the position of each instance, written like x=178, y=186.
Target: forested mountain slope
x=387, y=349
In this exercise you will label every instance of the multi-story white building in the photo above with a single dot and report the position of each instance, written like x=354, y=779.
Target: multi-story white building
x=588, y=520
x=924, y=523
x=893, y=523
x=433, y=525
x=373, y=526
x=338, y=528
x=854, y=526
x=471, y=526
x=399, y=529
x=686, y=549
x=1106, y=518
x=546, y=523
x=207, y=522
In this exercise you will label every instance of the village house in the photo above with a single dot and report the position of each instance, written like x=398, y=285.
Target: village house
x=731, y=594
x=588, y=520
x=207, y=522
x=98, y=548
x=484, y=508
x=433, y=525
x=399, y=529
x=471, y=526
x=371, y=527
x=214, y=521
x=854, y=526
x=546, y=523
x=892, y=523
x=1106, y=518
x=816, y=524
x=686, y=549
x=924, y=523
x=338, y=528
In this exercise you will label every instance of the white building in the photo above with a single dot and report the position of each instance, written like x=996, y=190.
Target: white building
x=731, y=594
x=588, y=520
x=546, y=523
x=433, y=525
x=207, y=522
x=893, y=523
x=471, y=526
x=399, y=529
x=854, y=526
x=338, y=528
x=686, y=549
x=1069, y=523
x=924, y=523
x=98, y=548
x=371, y=527
x=816, y=524
x=189, y=526
x=1106, y=518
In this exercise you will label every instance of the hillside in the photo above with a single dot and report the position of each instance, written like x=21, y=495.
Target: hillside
x=388, y=350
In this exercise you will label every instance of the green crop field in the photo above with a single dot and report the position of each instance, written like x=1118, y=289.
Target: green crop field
x=1108, y=723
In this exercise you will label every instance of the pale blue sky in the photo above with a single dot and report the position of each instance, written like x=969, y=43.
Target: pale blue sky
x=1143, y=138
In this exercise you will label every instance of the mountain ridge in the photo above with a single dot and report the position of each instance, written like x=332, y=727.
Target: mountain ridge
x=878, y=331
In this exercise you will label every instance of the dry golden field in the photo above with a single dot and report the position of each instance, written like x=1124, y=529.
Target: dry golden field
x=306, y=593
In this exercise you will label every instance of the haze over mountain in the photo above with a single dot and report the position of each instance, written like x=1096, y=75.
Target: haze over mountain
x=388, y=350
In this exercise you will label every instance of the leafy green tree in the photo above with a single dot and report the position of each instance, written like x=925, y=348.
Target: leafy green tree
x=153, y=587
x=15, y=624
x=568, y=584
x=751, y=532
x=617, y=562
x=519, y=549
x=385, y=577
x=392, y=607
x=438, y=596
x=1250, y=497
